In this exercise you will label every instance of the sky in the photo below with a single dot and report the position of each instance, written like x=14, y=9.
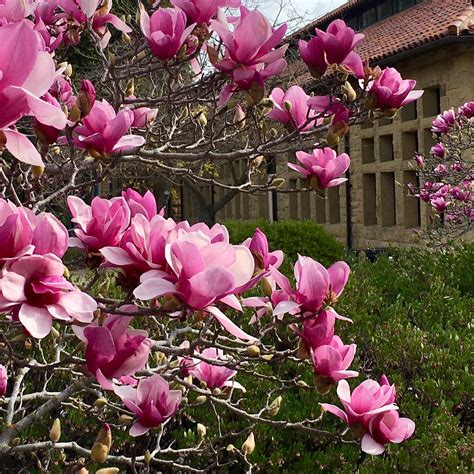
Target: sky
x=308, y=9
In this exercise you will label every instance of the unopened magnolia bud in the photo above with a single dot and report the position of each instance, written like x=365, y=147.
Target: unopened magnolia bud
x=249, y=445
x=68, y=70
x=277, y=182
x=55, y=431
x=323, y=384
x=100, y=402
x=230, y=448
x=232, y=104
x=55, y=149
x=253, y=351
x=83, y=470
x=267, y=103
x=239, y=117
x=267, y=288
x=189, y=379
x=302, y=383
x=202, y=119
x=349, y=91
x=15, y=442
x=159, y=357
x=332, y=139
x=217, y=392
x=257, y=161
x=101, y=447
x=108, y=470
x=267, y=357
x=126, y=38
x=303, y=351
x=130, y=90
x=112, y=59
x=54, y=334
x=141, y=55
x=274, y=407
x=390, y=113
x=125, y=420
x=287, y=105
x=200, y=400
x=147, y=457
x=201, y=430
x=28, y=344
x=371, y=102
x=313, y=182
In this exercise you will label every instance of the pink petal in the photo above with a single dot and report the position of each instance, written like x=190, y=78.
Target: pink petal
x=36, y=320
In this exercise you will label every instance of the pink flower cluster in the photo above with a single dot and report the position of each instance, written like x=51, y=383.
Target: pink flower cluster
x=33, y=287
x=370, y=410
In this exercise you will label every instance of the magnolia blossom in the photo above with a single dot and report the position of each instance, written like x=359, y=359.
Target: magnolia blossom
x=165, y=31
x=444, y=121
x=216, y=375
x=3, y=380
x=264, y=259
x=291, y=108
x=101, y=224
x=315, y=286
x=202, y=11
x=334, y=46
x=27, y=72
x=317, y=331
x=249, y=57
x=390, y=92
x=439, y=203
x=114, y=350
x=80, y=12
x=202, y=273
x=139, y=204
x=152, y=402
x=33, y=289
x=371, y=409
x=143, y=117
x=103, y=131
x=23, y=232
x=323, y=167
x=439, y=150
x=331, y=361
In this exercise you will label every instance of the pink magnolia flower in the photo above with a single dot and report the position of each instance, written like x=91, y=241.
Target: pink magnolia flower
x=335, y=46
x=386, y=428
x=258, y=245
x=439, y=203
x=3, y=380
x=62, y=91
x=371, y=409
x=14, y=11
x=328, y=107
x=101, y=224
x=318, y=331
x=420, y=161
x=390, y=91
x=467, y=110
x=103, y=131
x=142, y=248
x=34, y=290
x=143, y=117
x=27, y=73
x=249, y=45
x=215, y=376
x=331, y=361
x=45, y=133
x=139, y=204
x=324, y=166
x=201, y=274
x=81, y=11
x=115, y=350
x=23, y=232
x=202, y=11
x=291, y=108
x=441, y=169
x=152, y=402
x=316, y=287
x=165, y=31
x=443, y=122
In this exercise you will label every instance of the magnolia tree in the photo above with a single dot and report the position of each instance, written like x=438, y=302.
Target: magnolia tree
x=168, y=316
x=447, y=176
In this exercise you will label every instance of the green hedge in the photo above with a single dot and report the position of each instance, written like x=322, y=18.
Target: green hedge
x=412, y=315
x=294, y=237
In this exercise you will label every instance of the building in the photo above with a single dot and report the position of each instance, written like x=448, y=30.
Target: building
x=431, y=41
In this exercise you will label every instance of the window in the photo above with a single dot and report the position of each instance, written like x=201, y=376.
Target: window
x=370, y=199
x=305, y=203
x=387, y=192
x=384, y=9
x=409, y=145
x=386, y=147
x=385, y=121
x=411, y=204
x=431, y=102
x=408, y=112
x=334, y=205
x=404, y=4
x=246, y=206
x=369, y=17
x=428, y=140
x=368, y=150
x=321, y=206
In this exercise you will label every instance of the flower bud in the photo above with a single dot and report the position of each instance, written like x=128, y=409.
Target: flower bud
x=239, y=116
x=274, y=407
x=125, y=419
x=302, y=383
x=253, y=351
x=100, y=402
x=200, y=400
x=201, y=430
x=249, y=445
x=126, y=38
x=287, y=104
x=83, y=470
x=323, y=384
x=232, y=104
x=267, y=102
x=147, y=457
x=202, y=119
x=332, y=139
x=267, y=357
x=55, y=431
x=390, y=113
x=15, y=442
x=230, y=448
x=37, y=171
x=54, y=334
x=313, y=182
x=349, y=91
x=101, y=447
x=130, y=90
x=108, y=470
x=277, y=182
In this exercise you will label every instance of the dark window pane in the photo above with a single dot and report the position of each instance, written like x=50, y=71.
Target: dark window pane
x=384, y=9
x=403, y=4
x=369, y=17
